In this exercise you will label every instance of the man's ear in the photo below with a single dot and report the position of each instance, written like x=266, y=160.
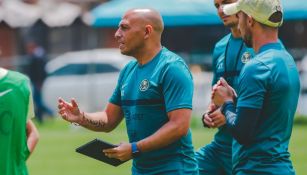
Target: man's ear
x=250, y=21
x=148, y=31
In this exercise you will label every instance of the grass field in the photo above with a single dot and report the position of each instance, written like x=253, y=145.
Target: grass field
x=55, y=153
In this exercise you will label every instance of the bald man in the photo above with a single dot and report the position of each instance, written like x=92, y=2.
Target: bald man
x=154, y=95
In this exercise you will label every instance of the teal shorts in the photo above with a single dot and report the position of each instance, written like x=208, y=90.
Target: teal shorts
x=212, y=161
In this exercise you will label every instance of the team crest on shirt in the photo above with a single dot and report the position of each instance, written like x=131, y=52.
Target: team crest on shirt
x=246, y=56
x=144, y=85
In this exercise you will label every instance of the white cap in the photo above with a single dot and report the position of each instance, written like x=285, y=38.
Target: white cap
x=267, y=12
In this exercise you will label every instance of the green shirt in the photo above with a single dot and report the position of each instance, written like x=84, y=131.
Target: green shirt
x=15, y=102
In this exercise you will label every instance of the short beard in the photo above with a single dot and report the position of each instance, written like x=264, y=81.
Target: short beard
x=127, y=53
x=133, y=52
x=248, y=38
x=231, y=25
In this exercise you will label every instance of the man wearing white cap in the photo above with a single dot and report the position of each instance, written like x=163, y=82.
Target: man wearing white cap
x=261, y=120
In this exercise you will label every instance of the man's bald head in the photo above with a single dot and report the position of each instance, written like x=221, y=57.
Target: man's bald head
x=140, y=32
x=147, y=17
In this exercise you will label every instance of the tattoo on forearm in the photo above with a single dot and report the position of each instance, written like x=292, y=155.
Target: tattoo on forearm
x=97, y=124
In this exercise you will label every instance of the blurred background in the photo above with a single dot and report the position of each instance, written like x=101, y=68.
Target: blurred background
x=67, y=48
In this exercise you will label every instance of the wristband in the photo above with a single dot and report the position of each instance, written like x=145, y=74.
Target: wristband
x=224, y=106
x=135, y=151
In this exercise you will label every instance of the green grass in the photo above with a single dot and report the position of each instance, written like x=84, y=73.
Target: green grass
x=55, y=154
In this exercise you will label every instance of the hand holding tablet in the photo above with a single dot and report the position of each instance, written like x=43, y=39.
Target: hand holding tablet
x=94, y=149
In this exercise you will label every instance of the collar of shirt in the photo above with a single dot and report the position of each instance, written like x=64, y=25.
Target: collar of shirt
x=268, y=46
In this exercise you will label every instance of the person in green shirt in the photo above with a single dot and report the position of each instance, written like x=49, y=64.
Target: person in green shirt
x=18, y=134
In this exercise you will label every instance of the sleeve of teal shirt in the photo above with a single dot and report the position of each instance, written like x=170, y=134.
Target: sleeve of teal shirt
x=253, y=83
x=177, y=86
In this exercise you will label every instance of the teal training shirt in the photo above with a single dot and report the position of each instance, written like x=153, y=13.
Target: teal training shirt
x=235, y=54
x=146, y=93
x=269, y=82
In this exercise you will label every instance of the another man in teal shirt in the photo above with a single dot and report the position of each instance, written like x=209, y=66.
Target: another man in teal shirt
x=154, y=96
x=229, y=56
x=268, y=89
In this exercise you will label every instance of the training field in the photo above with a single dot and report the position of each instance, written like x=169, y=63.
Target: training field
x=55, y=153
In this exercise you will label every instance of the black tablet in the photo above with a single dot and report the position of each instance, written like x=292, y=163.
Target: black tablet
x=94, y=149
